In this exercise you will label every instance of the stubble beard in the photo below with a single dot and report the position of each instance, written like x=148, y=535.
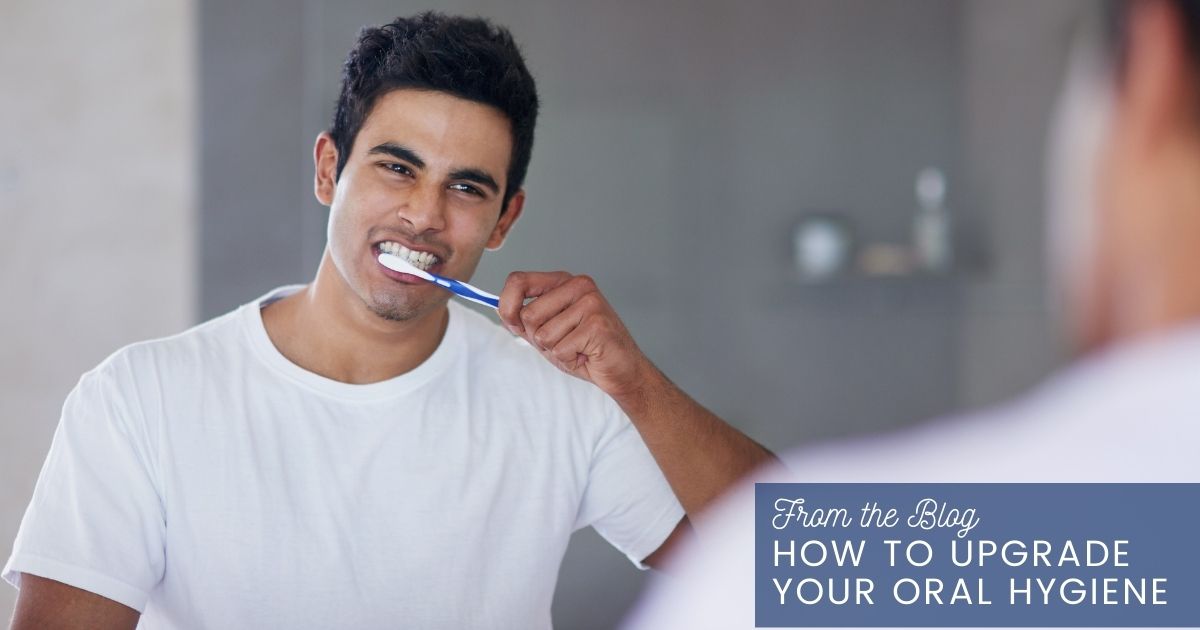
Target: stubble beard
x=395, y=308
x=392, y=309
x=391, y=314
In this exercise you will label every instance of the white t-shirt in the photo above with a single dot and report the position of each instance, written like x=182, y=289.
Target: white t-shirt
x=1129, y=415
x=209, y=482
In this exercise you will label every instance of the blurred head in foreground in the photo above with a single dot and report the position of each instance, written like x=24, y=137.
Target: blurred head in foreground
x=1124, y=175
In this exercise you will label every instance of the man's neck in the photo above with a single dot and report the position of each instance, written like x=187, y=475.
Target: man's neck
x=325, y=329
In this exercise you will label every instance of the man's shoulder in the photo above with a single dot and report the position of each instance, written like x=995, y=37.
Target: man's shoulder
x=1127, y=414
x=195, y=347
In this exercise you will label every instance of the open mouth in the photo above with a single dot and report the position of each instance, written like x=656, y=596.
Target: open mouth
x=421, y=260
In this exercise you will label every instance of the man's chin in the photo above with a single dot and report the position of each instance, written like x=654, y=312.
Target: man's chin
x=398, y=309
x=393, y=314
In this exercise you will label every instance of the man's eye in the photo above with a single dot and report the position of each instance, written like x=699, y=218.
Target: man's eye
x=399, y=169
x=467, y=188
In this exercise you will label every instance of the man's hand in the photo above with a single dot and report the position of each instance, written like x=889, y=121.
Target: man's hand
x=575, y=328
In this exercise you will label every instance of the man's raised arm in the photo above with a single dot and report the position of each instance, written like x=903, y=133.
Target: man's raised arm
x=576, y=329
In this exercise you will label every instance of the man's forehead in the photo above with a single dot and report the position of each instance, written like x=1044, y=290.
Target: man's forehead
x=440, y=127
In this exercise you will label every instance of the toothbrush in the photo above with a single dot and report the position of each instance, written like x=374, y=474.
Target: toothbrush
x=462, y=289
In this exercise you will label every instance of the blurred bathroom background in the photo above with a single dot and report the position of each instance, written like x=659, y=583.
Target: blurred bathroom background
x=157, y=172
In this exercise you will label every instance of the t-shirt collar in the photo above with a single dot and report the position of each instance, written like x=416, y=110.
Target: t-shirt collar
x=260, y=342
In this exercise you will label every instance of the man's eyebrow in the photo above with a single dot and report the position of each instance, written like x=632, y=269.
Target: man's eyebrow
x=478, y=176
x=398, y=152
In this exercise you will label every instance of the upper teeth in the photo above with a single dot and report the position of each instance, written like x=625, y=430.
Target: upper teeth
x=421, y=260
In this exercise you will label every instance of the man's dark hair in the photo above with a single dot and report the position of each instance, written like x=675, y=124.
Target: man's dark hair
x=1117, y=13
x=470, y=58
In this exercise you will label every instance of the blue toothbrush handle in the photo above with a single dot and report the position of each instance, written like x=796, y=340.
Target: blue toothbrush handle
x=466, y=291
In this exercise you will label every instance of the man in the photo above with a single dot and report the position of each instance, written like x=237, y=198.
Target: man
x=1125, y=208
x=357, y=452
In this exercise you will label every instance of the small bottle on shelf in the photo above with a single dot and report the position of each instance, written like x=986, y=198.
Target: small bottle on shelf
x=931, y=223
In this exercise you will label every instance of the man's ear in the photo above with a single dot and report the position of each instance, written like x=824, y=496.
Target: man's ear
x=511, y=212
x=325, y=159
x=1155, y=94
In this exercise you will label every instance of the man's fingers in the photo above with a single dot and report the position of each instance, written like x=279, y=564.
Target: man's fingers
x=536, y=313
x=573, y=348
x=512, y=296
x=550, y=333
x=521, y=285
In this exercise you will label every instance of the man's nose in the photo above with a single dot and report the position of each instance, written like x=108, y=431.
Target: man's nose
x=424, y=209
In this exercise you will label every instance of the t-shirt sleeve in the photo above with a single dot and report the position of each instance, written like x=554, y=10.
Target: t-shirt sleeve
x=627, y=499
x=96, y=520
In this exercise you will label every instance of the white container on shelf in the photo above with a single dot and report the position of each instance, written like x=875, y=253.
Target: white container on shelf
x=932, y=242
